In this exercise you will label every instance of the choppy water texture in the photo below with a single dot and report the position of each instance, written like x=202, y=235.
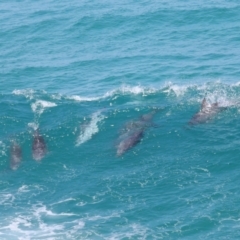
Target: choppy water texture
x=79, y=71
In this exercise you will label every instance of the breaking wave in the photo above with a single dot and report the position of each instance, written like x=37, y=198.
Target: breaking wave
x=215, y=89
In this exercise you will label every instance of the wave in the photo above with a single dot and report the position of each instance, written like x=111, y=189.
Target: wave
x=122, y=90
x=167, y=88
x=125, y=96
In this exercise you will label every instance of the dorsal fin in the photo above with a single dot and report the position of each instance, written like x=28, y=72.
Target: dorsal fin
x=204, y=104
x=148, y=116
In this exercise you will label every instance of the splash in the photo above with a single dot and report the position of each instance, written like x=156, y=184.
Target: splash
x=33, y=125
x=90, y=129
x=176, y=89
x=39, y=106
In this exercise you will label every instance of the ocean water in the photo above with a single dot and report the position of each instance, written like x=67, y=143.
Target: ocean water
x=79, y=72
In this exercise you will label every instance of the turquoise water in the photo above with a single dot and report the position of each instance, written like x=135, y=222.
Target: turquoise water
x=80, y=71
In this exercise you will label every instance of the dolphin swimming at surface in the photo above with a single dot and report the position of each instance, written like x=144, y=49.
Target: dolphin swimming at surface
x=133, y=132
x=144, y=122
x=130, y=141
x=16, y=156
x=206, y=112
x=39, y=148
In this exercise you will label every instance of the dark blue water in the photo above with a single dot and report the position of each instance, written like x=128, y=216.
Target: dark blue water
x=82, y=71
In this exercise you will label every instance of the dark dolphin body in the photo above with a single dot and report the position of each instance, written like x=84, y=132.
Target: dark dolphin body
x=38, y=146
x=16, y=156
x=133, y=132
x=130, y=141
x=143, y=122
x=206, y=113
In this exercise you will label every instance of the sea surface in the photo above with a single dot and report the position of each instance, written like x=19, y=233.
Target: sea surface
x=79, y=72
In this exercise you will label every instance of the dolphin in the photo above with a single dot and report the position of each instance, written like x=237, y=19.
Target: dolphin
x=206, y=112
x=16, y=156
x=133, y=132
x=130, y=141
x=39, y=148
x=144, y=122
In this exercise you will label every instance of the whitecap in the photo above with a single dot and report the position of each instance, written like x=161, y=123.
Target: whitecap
x=136, y=90
x=28, y=93
x=83, y=99
x=178, y=90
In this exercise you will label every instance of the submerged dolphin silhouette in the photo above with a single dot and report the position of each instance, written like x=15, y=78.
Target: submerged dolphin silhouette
x=206, y=112
x=130, y=141
x=143, y=122
x=38, y=146
x=133, y=132
x=16, y=156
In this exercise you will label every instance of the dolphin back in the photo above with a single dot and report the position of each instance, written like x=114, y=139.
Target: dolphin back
x=207, y=112
x=130, y=141
x=133, y=132
x=38, y=147
x=149, y=116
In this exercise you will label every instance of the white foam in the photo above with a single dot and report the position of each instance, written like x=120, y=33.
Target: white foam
x=137, y=90
x=98, y=217
x=23, y=189
x=15, y=227
x=134, y=231
x=176, y=89
x=221, y=97
x=81, y=204
x=28, y=93
x=83, y=99
x=128, y=90
x=65, y=200
x=90, y=129
x=6, y=198
x=56, y=96
x=237, y=84
x=42, y=210
x=225, y=94
x=40, y=105
x=215, y=91
x=79, y=225
x=124, y=90
x=33, y=125
x=33, y=224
